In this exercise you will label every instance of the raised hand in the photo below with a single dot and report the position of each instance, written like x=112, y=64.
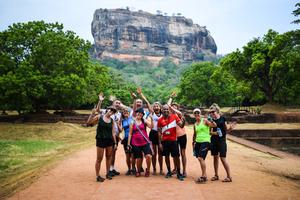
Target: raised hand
x=139, y=90
x=173, y=94
x=133, y=95
x=112, y=98
x=101, y=97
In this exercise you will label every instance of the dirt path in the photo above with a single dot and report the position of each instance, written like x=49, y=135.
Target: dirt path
x=73, y=178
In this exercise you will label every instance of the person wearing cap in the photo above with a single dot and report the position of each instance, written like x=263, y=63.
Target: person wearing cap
x=168, y=140
x=140, y=141
x=218, y=141
x=201, y=141
x=105, y=139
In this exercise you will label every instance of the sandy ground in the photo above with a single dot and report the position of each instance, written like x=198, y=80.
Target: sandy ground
x=256, y=175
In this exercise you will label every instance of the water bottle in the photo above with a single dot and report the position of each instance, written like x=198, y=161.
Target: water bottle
x=219, y=131
x=209, y=118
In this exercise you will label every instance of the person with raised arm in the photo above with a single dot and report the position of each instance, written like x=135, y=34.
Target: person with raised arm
x=140, y=141
x=201, y=141
x=105, y=138
x=218, y=141
x=167, y=139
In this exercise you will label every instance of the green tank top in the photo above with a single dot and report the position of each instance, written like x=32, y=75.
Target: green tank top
x=202, y=132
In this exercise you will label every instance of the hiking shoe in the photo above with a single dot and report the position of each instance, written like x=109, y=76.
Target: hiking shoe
x=109, y=176
x=168, y=175
x=142, y=169
x=180, y=177
x=133, y=171
x=116, y=173
x=128, y=172
x=111, y=173
x=100, y=179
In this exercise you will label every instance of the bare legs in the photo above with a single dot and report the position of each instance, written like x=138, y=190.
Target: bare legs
x=160, y=160
x=108, y=155
x=225, y=165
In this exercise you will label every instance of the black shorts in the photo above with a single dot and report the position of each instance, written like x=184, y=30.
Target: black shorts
x=170, y=147
x=153, y=136
x=103, y=142
x=139, y=150
x=125, y=144
x=182, y=141
x=201, y=149
x=219, y=148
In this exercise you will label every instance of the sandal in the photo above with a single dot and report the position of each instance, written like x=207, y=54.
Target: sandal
x=201, y=180
x=137, y=174
x=227, y=180
x=215, y=178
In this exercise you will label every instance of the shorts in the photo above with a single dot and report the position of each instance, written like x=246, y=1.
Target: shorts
x=125, y=144
x=170, y=147
x=153, y=136
x=201, y=149
x=139, y=150
x=181, y=140
x=219, y=148
x=104, y=142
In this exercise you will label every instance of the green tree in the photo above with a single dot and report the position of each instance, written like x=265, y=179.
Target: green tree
x=268, y=65
x=296, y=13
x=43, y=66
x=205, y=83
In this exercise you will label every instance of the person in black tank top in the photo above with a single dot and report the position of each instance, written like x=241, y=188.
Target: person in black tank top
x=218, y=142
x=105, y=138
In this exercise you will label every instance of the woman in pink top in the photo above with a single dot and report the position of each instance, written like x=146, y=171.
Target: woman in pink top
x=140, y=141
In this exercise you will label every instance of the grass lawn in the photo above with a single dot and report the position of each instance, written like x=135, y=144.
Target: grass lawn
x=26, y=149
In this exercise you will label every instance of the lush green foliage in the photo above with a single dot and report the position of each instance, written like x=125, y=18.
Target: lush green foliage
x=157, y=82
x=41, y=66
x=270, y=66
x=205, y=83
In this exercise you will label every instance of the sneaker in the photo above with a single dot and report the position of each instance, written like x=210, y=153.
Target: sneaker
x=168, y=175
x=180, y=177
x=128, y=172
x=100, y=179
x=111, y=173
x=142, y=169
x=116, y=173
x=133, y=171
x=109, y=176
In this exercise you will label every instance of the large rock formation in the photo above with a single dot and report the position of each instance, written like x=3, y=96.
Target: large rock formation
x=127, y=35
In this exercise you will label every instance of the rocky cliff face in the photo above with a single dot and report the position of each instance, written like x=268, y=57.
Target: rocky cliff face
x=127, y=35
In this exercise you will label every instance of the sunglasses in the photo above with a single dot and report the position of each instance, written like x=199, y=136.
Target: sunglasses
x=197, y=113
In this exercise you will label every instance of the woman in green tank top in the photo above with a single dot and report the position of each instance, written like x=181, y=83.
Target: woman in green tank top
x=201, y=141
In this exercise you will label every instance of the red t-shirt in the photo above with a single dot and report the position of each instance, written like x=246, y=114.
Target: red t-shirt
x=168, y=126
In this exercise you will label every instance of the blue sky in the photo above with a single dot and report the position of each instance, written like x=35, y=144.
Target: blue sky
x=232, y=23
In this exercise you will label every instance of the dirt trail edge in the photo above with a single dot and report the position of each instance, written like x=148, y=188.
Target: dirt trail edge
x=256, y=175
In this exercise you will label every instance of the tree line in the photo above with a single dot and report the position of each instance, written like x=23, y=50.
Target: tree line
x=44, y=67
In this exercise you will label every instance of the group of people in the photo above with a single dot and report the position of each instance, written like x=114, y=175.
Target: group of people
x=167, y=136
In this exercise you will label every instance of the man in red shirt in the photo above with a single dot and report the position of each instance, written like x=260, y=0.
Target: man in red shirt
x=166, y=126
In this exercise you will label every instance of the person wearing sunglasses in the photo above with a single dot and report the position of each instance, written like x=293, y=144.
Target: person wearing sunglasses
x=218, y=141
x=201, y=141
